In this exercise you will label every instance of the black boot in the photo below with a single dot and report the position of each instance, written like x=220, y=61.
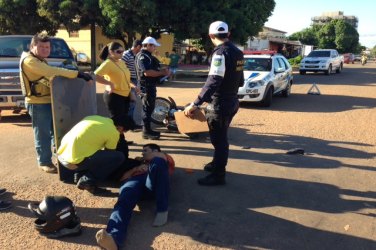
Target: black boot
x=213, y=179
x=209, y=167
x=153, y=135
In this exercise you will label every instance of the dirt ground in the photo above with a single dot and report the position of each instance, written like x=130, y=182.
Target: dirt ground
x=325, y=199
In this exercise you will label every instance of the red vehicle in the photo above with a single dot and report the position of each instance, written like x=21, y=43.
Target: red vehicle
x=348, y=58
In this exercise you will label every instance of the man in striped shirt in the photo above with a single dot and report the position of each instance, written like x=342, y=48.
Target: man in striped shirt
x=129, y=59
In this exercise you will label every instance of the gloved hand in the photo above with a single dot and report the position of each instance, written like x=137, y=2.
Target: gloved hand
x=84, y=76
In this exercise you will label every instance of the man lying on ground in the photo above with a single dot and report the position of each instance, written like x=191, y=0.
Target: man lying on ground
x=150, y=178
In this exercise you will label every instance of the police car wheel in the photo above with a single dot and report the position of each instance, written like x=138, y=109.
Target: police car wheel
x=267, y=101
x=287, y=91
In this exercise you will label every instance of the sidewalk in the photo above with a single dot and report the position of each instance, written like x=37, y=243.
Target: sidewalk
x=187, y=70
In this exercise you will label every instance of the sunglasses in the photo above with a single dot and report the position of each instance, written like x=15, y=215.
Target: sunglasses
x=119, y=51
x=151, y=44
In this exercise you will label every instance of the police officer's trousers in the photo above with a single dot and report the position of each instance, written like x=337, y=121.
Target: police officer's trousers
x=148, y=105
x=219, y=119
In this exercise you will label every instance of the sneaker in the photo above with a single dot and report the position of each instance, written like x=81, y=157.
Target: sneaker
x=84, y=183
x=5, y=205
x=105, y=240
x=212, y=180
x=3, y=191
x=209, y=167
x=50, y=168
x=153, y=135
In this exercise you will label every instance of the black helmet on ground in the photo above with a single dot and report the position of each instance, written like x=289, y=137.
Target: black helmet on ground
x=56, y=217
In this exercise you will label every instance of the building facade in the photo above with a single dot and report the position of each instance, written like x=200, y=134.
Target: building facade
x=80, y=41
x=326, y=17
x=276, y=40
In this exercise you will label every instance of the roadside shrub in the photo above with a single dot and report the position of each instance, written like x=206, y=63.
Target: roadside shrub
x=295, y=61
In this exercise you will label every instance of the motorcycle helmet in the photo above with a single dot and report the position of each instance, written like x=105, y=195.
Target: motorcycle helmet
x=56, y=217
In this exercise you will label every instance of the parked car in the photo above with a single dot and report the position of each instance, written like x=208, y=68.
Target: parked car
x=357, y=58
x=82, y=59
x=266, y=74
x=11, y=48
x=324, y=60
x=348, y=58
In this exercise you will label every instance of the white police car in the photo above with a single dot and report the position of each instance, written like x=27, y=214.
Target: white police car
x=265, y=74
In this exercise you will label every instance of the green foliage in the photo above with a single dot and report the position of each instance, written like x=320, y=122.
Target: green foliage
x=326, y=36
x=347, y=38
x=122, y=19
x=127, y=17
x=373, y=51
x=306, y=36
x=295, y=61
x=337, y=34
x=21, y=17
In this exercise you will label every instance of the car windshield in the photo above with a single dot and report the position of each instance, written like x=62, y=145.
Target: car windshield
x=14, y=46
x=258, y=64
x=319, y=54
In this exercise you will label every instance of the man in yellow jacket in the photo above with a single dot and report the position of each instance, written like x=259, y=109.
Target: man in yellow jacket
x=35, y=75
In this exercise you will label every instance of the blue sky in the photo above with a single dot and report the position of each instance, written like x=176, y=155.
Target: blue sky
x=294, y=15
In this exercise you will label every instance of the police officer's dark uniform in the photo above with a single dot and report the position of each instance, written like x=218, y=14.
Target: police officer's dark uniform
x=220, y=91
x=146, y=61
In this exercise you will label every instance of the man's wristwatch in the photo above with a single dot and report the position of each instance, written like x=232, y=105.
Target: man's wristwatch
x=194, y=105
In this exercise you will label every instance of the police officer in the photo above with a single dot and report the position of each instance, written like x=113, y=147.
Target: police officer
x=35, y=75
x=220, y=91
x=148, y=74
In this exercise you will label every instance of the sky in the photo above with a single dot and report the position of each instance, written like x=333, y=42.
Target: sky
x=294, y=15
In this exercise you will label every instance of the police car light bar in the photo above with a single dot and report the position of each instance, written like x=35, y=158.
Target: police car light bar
x=259, y=52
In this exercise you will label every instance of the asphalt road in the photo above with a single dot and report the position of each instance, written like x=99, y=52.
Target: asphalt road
x=325, y=199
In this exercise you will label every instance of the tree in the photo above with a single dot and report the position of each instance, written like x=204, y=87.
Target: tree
x=21, y=17
x=347, y=38
x=192, y=19
x=73, y=14
x=326, y=36
x=338, y=34
x=306, y=36
x=245, y=18
x=125, y=18
x=373, y=51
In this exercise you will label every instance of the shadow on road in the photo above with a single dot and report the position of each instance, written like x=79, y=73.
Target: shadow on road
x=316, y=155
x=346, y=77
x=18, y=119
x=226, y=217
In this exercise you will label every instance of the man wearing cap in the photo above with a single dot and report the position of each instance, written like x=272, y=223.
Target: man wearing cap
x=220, y=91
x=148, y=74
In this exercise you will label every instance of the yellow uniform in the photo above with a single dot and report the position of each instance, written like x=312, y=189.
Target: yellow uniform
x=117, y=73
x=88, y=136
x=34, y=69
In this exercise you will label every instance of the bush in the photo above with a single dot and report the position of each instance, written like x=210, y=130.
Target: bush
x=295, y=61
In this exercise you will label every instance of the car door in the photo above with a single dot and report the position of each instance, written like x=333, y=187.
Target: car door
x=280, y=74
x=335, y=60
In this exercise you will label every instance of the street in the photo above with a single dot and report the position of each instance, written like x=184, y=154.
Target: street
x=324, y=199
